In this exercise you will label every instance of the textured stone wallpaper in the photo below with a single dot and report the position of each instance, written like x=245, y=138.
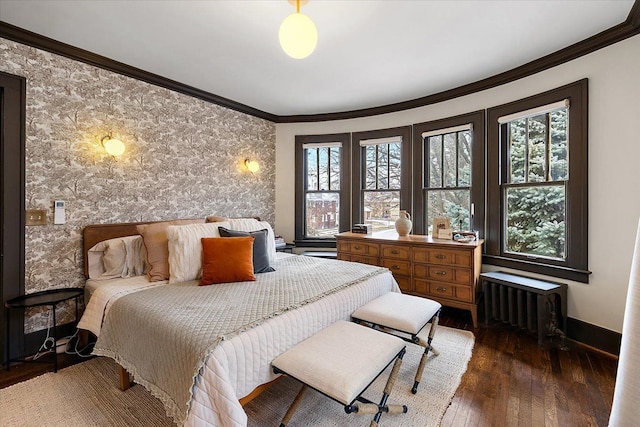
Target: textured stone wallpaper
x=184, y=158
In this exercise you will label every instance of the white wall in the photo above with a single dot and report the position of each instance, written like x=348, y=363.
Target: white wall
x=614, y=160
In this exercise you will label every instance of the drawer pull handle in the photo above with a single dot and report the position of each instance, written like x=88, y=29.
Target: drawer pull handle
x=395, y=252
x=441, y=273
x=440, y=289
x=357, y=248
x=440, y=256
x=395, y=267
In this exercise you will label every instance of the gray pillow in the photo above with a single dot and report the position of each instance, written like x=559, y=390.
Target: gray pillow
x=260, y=247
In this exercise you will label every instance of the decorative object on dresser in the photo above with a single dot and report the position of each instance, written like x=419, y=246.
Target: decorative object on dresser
x=404, y=224
x=442, y=270
x=441, y=228
x=362, y=228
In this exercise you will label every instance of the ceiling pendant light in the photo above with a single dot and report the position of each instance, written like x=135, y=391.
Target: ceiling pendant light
x=298, y=34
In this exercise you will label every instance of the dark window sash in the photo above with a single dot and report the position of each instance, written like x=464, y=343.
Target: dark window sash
x=358, y=182
x=575, y=266
x=421, y=169
x=301, y=187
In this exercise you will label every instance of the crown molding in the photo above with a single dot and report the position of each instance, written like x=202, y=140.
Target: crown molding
x=629, y=28
x=20, y=35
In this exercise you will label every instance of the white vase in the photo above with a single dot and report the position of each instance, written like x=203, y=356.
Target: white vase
x=404, y=224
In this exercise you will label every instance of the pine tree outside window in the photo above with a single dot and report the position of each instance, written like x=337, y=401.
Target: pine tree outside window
x=538, y=184
x=534, y=189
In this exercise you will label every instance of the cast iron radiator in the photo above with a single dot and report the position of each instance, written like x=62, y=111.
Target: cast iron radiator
x=536, y=305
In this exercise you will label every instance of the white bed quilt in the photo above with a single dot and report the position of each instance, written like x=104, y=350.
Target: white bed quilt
x=104, y=293
x=240, y=364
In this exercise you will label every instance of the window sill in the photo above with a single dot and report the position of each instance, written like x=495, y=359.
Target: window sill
x=574, y=274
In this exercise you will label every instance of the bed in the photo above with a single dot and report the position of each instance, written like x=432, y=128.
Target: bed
x=202, y=350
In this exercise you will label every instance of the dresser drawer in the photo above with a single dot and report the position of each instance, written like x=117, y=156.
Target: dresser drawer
x=443, y=290
x=395, y=251
x=343, y=257
x=359, y=248
x=364, y=259
x=397, y=266
x=458, y=258
x=442, y=273
x=343, y=246
x=404, y=283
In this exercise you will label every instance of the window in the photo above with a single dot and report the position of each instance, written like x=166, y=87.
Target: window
x=322, y=188
x=449, y=172
x=381, y=176
x=538, y=183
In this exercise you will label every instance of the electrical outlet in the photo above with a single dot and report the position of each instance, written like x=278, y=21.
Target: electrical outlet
x=36, y=217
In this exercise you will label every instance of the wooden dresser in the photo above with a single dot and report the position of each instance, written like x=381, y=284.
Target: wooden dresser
x=442, y=270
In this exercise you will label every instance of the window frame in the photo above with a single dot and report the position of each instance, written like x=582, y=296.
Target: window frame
x=575, y=265
x=301, y=187
x=359, y=163
x=477, y=191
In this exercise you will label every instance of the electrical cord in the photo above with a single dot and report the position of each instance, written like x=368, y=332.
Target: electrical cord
x=75, y=350
x=49, y=343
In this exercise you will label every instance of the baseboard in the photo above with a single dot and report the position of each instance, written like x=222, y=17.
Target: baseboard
x=594, y=336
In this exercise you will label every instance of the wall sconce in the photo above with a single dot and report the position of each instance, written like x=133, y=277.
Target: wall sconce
x=113, y=146
x=252, y=165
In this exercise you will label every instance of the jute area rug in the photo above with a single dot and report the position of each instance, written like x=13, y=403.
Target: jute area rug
x=87, y=394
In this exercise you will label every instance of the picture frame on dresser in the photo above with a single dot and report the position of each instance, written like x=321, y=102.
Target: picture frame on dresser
x=440, y=224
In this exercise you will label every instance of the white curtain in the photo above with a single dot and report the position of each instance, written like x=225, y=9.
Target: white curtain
x=626, y=399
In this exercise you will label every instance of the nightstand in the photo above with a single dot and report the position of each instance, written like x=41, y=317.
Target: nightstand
x=50, y=298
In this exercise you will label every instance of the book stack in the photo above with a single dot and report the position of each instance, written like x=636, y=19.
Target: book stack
x=280, y=242
x=362, y=228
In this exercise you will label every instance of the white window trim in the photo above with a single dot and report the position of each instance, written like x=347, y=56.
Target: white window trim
x=453, y=129
x=543, y=109
x=380, y=141
x=321, y=145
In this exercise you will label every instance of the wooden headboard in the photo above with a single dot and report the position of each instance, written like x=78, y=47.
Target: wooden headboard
x=97, y=233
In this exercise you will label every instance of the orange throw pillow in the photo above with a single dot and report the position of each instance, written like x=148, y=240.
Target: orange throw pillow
x=228, y=259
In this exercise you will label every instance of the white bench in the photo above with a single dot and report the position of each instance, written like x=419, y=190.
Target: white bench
x=341, y=362
x=405, y=316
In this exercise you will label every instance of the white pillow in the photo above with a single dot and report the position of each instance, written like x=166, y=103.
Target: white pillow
x=185, y=249
x=119, y=257
x=251, y=224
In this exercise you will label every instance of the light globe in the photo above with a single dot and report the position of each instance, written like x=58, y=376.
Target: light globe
x=298, y=35
x=113, y=146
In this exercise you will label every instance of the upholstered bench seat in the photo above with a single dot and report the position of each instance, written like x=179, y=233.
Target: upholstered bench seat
x=341, y=361
x=405, y=313
x=406, y=316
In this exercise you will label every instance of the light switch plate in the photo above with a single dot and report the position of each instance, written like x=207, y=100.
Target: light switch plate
x=36, y=217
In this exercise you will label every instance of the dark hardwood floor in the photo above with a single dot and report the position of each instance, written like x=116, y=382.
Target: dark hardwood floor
x=24, y=371
x=510, y=380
